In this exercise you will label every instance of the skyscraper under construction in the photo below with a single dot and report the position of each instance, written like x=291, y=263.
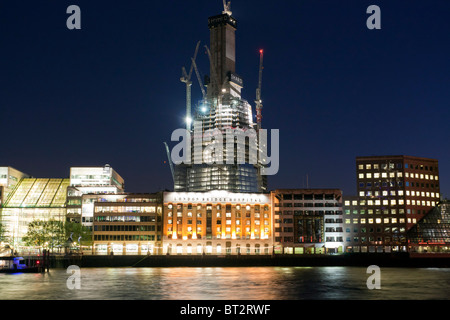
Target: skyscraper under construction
x=222, y=109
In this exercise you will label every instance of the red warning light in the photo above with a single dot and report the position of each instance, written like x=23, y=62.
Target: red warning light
x=261, y=51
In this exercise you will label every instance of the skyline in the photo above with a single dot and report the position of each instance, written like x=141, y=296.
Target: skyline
x=118, y=80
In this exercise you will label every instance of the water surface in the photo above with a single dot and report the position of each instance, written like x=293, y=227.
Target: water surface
x=229, y=283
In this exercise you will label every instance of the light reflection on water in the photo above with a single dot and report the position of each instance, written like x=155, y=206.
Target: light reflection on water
x=240, y=283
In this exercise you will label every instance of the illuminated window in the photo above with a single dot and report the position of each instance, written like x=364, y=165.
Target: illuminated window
x=384, y=175
x=394, y=220
x=361, y=176
x=368, y=166
x=376, y=175
x=378, y=220
x=360, y=167
x=369, y=176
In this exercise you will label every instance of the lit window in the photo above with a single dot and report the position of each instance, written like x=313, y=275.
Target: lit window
x=347, y=203
x=361, y=193
x=361, y=175
x=392, y=174
x=369, y=176
x=370, y=220
x=378, y=220
x=386, y=220
x=384, y=175
x=394, y=220
x=399, y=174
x=393, y=202
x=376, y=175
x=360, y=167
x=401, y=202
x=363, y=220
x=368, y=166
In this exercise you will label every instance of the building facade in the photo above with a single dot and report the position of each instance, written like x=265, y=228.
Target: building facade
x=217, y=223
x=307, y=221
x=87, y=185
x=394, y=193
x=128, y=224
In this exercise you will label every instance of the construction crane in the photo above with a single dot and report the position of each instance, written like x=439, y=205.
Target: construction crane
x=214, y=78
x=227, y=7
x=258, y=100
x=200, y=83
x=170, y=161
x=186, y=78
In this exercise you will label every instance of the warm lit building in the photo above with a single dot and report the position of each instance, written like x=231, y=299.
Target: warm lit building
x=307, y=221
x=394, y=193
x=127, y=224
x=217, y=223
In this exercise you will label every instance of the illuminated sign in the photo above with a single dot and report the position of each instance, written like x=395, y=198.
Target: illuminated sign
x=216, y=197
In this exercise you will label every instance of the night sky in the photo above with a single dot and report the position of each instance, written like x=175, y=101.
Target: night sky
x=111, y=92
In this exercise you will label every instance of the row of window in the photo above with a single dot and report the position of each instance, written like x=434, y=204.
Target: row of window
x=125, y=237
x=227, y=222
x=391, y=166
x=256, y=215
x=377, y=240
x=119, y=209
x=218, y=207
x=124, y=228
x=377, y=230
x=375, y=220
x=308, y=204
x=125, y=219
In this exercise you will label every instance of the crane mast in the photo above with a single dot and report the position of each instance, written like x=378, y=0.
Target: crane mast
x=258, y=100
x=186, y=78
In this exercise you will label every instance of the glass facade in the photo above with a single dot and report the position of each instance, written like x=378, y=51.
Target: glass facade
x=432, y=232
x=33, y=199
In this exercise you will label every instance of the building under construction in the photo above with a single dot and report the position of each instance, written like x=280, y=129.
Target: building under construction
x=222, y=108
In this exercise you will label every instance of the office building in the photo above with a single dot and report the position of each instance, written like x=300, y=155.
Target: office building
x=87, y=184
x=394, y=193
x=128, y=224
x=307, y=221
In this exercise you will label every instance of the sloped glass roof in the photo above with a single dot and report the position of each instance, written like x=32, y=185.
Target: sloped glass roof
x=38, y=193
x=434, y=228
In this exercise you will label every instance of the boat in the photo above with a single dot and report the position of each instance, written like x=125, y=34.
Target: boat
x=18, y=265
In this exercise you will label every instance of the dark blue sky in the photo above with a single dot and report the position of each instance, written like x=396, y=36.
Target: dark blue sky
x=110, y=92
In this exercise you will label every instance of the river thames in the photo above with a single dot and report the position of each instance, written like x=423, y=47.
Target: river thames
x=229, y=283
